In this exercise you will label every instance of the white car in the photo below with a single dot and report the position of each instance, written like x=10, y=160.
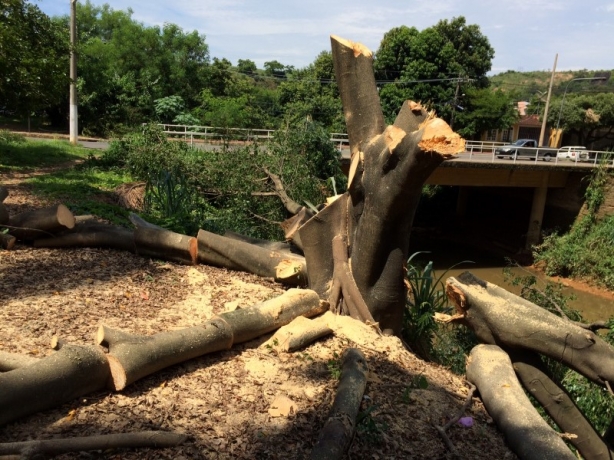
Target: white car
x=573, y=153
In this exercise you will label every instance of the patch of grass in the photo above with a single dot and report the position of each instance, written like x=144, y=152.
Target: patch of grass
x=17, y=153
x=85, y=191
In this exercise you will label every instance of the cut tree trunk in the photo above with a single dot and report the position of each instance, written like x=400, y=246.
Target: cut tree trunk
x=157, y=242
x=47, y=447
x=58, y=378
x=389, y=167
x=41, y=223
x=133, y=357
x=4, y=192
x=285, y=267
x=91, y=234
x=536, y=378
x=489, y=368
x=11, y=361
x=338, y=430
x=502, y=318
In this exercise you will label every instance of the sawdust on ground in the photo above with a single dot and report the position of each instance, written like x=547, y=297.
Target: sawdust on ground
x=225, y=402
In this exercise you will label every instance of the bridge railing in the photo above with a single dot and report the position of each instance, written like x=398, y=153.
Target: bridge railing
x=196, y=133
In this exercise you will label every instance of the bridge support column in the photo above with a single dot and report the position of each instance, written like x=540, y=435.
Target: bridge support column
x=537, y=212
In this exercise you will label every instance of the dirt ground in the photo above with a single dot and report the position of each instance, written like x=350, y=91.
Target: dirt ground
x=222, y=401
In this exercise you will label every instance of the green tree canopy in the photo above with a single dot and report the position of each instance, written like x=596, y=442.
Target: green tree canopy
x=485, y=109
x=434, y=66
x=589, y=116
x=34, y=55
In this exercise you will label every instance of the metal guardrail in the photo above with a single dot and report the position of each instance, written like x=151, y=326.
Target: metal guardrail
x=477, y=149
x=209, y=133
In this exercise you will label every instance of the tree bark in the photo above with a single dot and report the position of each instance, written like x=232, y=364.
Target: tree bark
x=233, y=254
x=501, y=318
x=4, y=215
x=91, y=234
x=41, y=223
x=58, y=378
x=560, y=407
x=133, y=357
x=4, y=193
x=11, y=361
x=338, y=430
x=389, y=167
x=7, y=241
x=166, y=245
x=291, y=206
x=44, y=448
x=489, y=368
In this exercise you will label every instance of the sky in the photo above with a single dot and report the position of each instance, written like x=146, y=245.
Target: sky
x=525, y=34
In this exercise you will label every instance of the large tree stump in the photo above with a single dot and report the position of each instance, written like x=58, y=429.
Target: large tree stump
x=489, y=368
x=41, y=223
x=374, y=218
x=133, y=357
x=58, y=378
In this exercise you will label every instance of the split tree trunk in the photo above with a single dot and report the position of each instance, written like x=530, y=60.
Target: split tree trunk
x=389, y=167
x=489, y=368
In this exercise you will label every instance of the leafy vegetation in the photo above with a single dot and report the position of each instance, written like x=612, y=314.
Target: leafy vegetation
x=585, y=251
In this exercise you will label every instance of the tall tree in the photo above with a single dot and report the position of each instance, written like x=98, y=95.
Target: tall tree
x=33, y=58
x=483, y=110
x=434, y=65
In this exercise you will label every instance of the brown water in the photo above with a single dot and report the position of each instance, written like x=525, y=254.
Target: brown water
x=490, y=268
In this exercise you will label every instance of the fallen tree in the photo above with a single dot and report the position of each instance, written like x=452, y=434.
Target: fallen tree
x=524, y=330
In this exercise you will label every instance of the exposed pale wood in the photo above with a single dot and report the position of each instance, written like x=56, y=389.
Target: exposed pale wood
x=41, y=223
x=11, y=361
x=58, y=378
x=338, y=430
x=299, y=333
x=490, y=369
x=133, y=357
x=47, y=447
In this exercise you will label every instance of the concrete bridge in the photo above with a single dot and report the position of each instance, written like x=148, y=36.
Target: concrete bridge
x=556, y=183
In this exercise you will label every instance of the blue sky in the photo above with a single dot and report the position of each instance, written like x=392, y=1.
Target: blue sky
x=525, y=34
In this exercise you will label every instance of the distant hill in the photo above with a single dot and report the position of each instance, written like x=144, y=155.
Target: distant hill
x=529, y=85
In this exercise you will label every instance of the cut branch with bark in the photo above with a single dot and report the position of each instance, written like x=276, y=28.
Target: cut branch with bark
x=11, y=361
x=53, y=447
x=502, y=318
x=338, y=430
x=41, y=223
x=291, y=206
x=133, y=357
x=489, y=368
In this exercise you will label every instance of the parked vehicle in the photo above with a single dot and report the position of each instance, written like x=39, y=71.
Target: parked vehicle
x=574, y=153
x=525, y=148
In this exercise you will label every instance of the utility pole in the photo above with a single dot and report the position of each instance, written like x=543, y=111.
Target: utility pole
x=74, y=121
x=545, y=120
x=458, y=81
